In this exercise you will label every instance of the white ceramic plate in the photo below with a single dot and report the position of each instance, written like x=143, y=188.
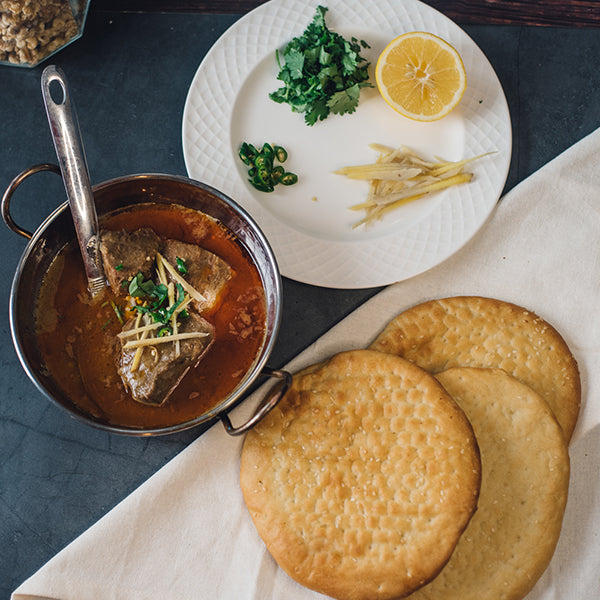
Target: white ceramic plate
x=309, y=225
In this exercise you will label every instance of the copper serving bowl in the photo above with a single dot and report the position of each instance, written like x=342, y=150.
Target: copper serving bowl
x=57, y=230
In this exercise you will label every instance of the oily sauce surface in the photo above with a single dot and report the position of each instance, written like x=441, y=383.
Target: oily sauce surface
x=77, y=336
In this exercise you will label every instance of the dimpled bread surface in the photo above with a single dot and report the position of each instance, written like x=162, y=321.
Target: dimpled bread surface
x=525, y=476
x=472, y=331
x=362, y=479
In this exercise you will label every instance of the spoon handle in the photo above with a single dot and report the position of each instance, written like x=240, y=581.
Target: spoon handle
x=66, y=136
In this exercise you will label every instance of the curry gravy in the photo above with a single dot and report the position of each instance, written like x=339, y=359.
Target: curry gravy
x=78, y=336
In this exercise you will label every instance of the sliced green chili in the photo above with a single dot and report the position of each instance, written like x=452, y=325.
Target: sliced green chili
x=263, y=173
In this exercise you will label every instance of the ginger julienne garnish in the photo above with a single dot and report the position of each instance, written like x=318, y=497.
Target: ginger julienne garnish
x=400, y=176
x=166, y=304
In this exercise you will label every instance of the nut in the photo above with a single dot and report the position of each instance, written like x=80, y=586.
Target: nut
x=30, y=30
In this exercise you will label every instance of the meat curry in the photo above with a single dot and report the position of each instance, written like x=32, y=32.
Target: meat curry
x=114, y=357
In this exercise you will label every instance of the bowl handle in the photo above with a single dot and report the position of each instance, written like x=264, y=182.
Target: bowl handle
x=14, y=184
x=269, y=402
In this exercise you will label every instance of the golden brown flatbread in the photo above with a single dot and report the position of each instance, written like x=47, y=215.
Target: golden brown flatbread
x=362, y=479
x=525, y=477
x=471, y=331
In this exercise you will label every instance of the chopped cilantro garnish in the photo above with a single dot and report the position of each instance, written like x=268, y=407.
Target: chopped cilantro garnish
x=181, y=265
x=158, y=306
x=322, y=71
x=119, y=267
x=139, y=287
x=160, y=293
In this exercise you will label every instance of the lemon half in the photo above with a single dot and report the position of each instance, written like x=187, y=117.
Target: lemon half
x=421, y=76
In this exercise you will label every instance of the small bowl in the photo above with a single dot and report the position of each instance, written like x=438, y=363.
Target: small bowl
x=29, y=37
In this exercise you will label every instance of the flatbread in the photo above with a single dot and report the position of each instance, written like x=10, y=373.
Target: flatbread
x=471, y=331
x=362, y=479
x=525, y=476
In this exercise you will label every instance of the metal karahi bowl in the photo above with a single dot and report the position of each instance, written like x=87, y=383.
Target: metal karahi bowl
x=57, y=230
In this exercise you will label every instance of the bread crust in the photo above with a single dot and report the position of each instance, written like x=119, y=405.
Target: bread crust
x=474, y=331
x=525, y=464
x=363, y=478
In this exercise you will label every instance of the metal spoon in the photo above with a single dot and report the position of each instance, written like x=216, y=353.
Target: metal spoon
x=73, y=166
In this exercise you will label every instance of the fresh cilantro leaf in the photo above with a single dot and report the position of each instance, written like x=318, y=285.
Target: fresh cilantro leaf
x=160, y=293
x=325, y=57
x=349, y=62
x=345, y=101
x=138, y=287
x=181, y=265
x=294, y=61
x=322, y=72
x=318, y=111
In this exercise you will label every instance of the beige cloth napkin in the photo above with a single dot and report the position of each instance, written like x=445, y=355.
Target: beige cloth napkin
x=185, y=533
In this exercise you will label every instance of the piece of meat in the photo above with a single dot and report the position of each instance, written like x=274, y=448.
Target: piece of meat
x=161, y=368
x=206, y=272
x=125, y=253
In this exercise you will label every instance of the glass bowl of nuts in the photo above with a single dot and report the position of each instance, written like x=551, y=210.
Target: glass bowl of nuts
x=33, y=30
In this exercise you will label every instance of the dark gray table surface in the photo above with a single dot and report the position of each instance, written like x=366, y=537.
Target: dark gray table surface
x=129, y=76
